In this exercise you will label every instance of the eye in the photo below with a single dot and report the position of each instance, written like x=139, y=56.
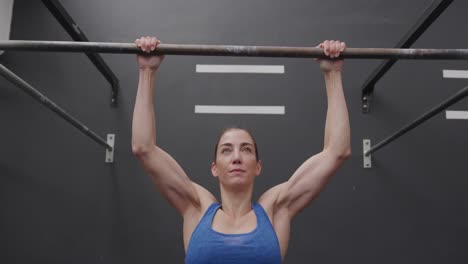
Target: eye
x=225, y=151
x=247, y=149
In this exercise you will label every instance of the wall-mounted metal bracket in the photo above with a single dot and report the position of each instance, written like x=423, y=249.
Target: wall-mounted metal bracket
x=424, y=22
x=366, y=145
x=110, y=153
x=67, y=22
x=366, y=98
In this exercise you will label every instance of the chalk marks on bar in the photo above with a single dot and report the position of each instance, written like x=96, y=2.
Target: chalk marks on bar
x=240, y=109
x=222, y=68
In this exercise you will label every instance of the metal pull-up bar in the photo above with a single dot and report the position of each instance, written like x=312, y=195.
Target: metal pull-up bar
x=239, y=51
x=67, y=22
x=418, y=121
x=27, y=88
x=424, y=22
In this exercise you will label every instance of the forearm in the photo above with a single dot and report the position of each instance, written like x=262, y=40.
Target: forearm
x=337, y=130
x=143, y=126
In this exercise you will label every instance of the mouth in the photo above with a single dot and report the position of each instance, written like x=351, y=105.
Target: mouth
x=237, y=170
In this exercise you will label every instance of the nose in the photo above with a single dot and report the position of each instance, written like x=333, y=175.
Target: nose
x=236, y=157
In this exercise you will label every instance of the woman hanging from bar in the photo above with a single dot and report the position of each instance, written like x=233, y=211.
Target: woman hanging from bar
x=235, y=230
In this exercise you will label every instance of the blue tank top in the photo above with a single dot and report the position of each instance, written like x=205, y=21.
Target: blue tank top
x=209, y=246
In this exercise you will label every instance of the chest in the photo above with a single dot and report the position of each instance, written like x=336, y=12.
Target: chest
x=223, y=223
x=221, y=239
x=255, y=247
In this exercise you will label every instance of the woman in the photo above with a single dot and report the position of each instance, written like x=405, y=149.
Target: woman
x=237, y=230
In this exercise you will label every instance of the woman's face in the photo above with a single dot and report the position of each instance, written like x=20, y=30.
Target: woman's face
x=236, y=163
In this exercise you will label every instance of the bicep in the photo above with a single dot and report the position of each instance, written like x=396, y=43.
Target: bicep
x=171, y=180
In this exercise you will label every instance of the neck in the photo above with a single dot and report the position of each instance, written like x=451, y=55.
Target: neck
x=236, y=203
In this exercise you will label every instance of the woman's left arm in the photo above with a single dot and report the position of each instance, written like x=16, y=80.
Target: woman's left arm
x=311, y=177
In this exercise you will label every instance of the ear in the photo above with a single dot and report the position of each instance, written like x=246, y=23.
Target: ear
x=214, y=170
x=258, y=169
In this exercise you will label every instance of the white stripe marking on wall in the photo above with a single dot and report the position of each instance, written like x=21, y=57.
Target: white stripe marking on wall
x=238, y=109
x=218, y=68
x=455, y=74
x=456, y=114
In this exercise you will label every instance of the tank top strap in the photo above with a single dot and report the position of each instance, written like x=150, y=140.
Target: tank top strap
x=262, y=217
x=207, y=218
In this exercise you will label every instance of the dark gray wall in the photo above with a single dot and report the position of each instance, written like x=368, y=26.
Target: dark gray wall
x=60, y=203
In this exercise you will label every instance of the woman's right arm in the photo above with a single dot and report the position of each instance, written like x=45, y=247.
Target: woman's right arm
x=170, y=179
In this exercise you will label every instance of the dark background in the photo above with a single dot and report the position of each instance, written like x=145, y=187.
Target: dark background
x=60, y=203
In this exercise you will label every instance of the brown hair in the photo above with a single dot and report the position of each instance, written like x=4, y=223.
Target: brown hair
x=227, y=129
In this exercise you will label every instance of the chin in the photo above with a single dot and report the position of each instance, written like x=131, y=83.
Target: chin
x=238, y=182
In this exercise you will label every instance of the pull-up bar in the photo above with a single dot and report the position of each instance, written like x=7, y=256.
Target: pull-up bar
x=368, y=150
x=27, y=88
x=238, y=51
